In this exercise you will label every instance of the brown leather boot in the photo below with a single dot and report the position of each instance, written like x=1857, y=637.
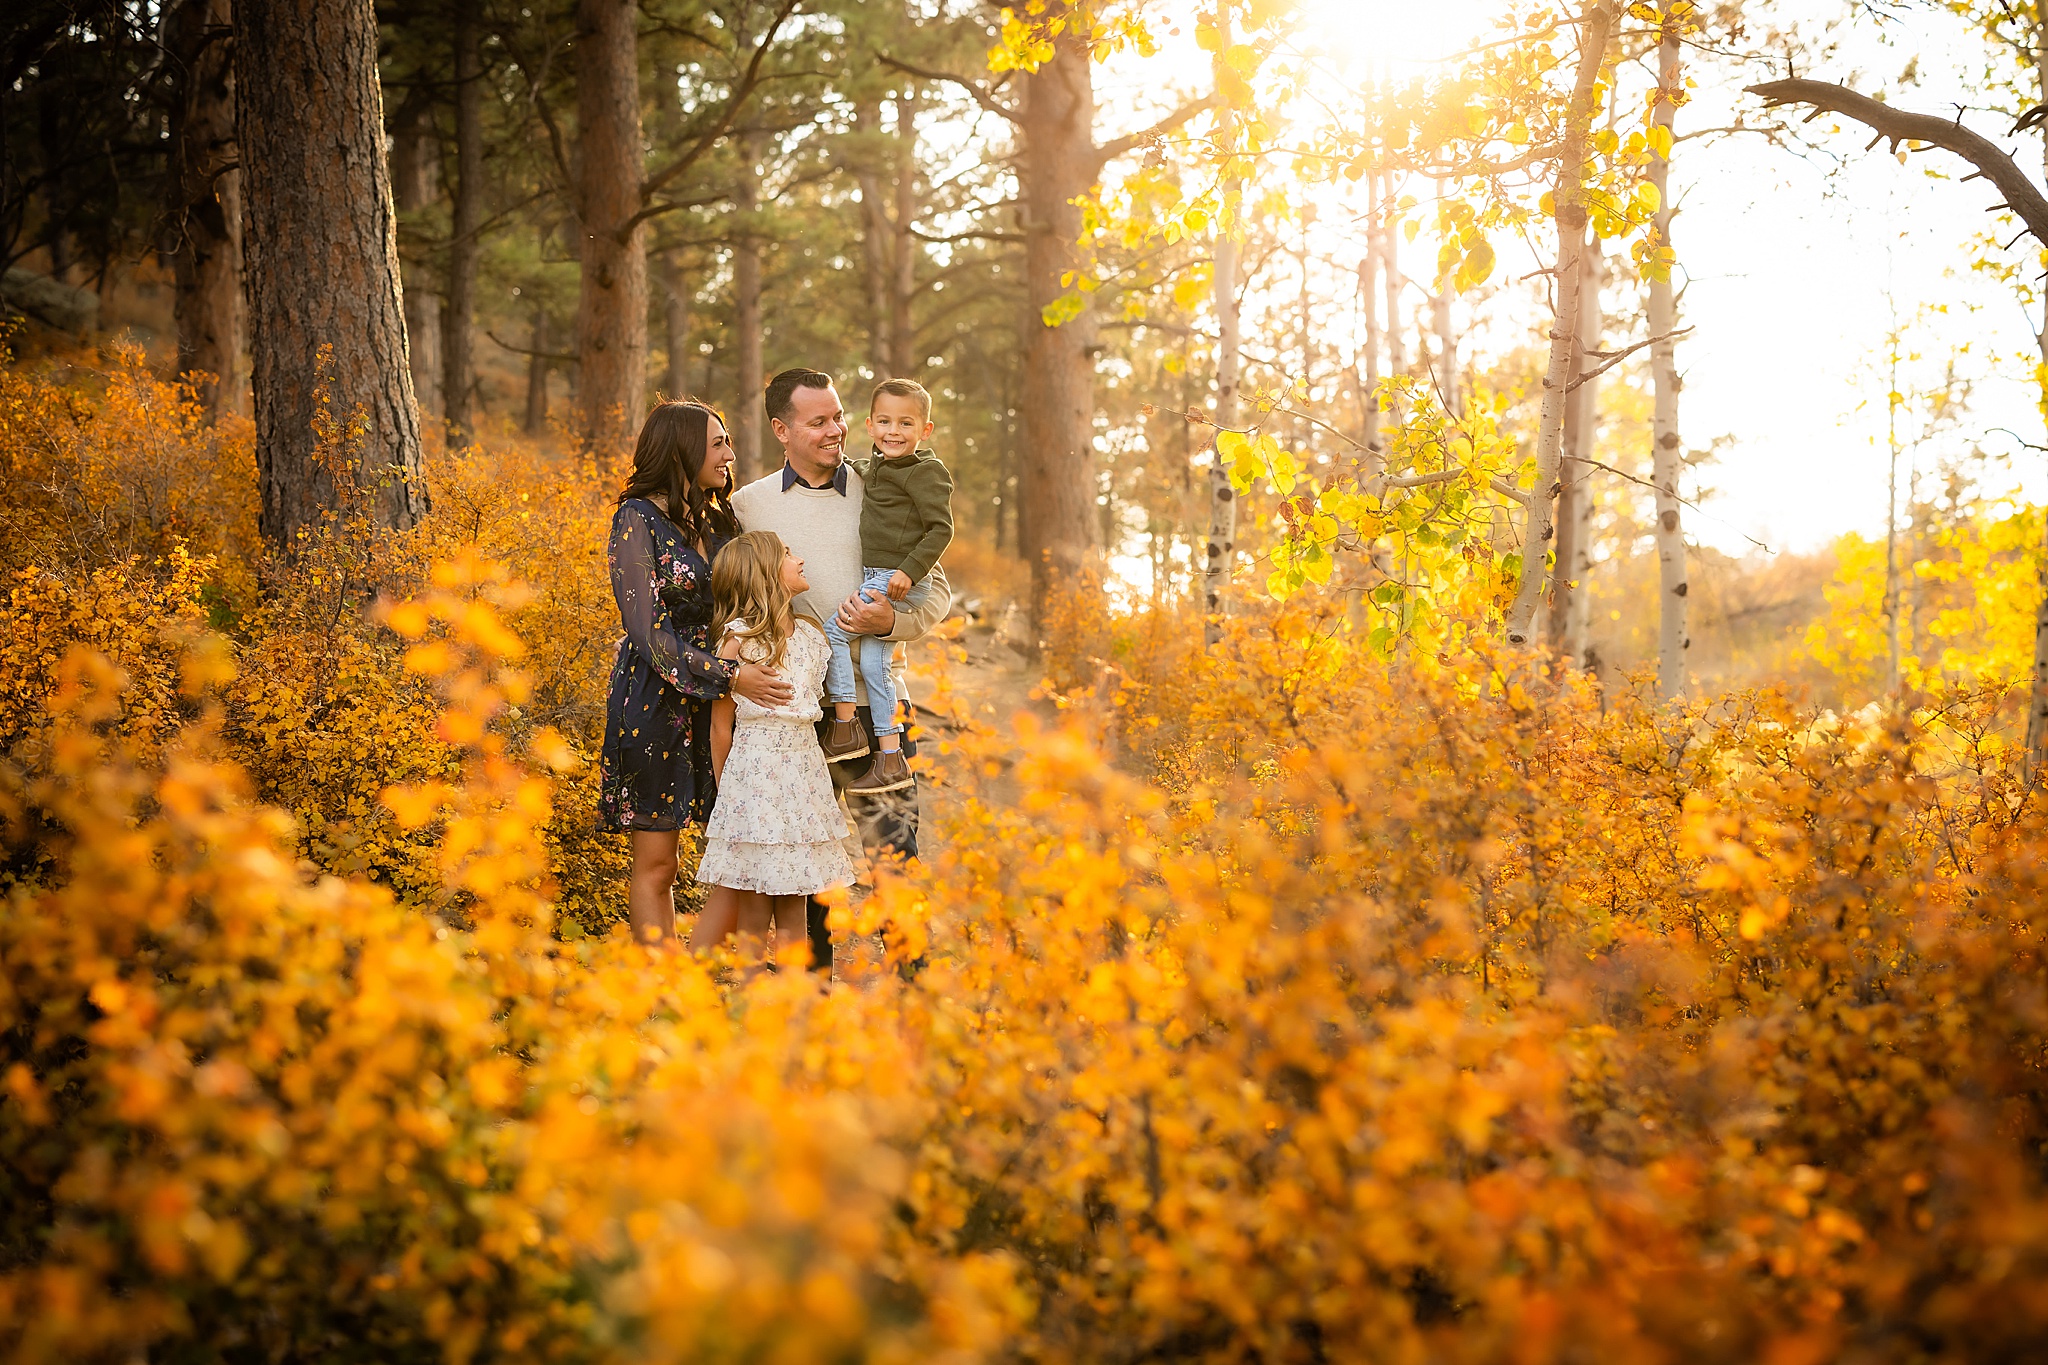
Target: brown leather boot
x=890, y=772
x=845, y=741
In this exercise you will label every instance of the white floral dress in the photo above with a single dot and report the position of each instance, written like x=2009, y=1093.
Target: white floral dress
x=777, y=827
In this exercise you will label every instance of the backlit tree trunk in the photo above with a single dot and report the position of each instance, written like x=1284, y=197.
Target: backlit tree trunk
x=1219, y=548
x=1568, y=617
x=675, y=326
x=1568, y=199
x=611, y=312
x=876, y=231
x=320, y=235
x=748, y=417
x=1674, y=631
x=1060, y=163
x=205, y=212
x=903, y=355
x=414, y=158
x=2037, y=701
x=464, y=249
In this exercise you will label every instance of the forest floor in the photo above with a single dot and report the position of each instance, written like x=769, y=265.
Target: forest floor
x=969, y=675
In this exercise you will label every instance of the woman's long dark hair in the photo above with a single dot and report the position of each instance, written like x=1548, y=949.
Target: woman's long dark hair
x=667, y=459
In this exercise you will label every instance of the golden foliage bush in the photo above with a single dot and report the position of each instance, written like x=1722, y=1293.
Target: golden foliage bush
x=1283, y=1003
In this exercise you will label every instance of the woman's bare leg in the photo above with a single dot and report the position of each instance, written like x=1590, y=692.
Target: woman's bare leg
x=717, y=920
x=650, y=896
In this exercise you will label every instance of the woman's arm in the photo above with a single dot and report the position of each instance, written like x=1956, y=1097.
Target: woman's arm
x=692, y=671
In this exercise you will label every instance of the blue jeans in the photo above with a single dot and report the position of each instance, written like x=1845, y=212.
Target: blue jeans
x=874, y=658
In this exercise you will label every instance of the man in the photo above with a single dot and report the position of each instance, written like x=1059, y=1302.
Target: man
x=813, y=502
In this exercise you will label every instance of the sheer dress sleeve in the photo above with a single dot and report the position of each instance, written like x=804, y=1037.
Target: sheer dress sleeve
x=635, y=583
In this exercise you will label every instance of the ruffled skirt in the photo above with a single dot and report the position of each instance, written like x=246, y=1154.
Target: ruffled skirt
x=777, y=827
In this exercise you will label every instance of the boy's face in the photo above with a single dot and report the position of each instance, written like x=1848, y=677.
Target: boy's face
x=897, y=423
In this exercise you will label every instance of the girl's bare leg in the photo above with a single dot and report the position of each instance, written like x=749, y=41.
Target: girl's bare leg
x=791, y=930
x=650, y=895
x=717, y=920
x=753, y=928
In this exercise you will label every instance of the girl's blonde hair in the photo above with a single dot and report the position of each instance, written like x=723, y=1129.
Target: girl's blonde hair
x=747, y=587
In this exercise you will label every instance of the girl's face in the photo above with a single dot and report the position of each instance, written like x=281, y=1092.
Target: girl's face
x=793, y=572
x=717, y=470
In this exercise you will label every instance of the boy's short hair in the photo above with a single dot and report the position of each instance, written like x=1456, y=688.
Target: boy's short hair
x=781, y=391
x=903, y=388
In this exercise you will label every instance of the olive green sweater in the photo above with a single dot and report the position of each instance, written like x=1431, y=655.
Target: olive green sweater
x=906, y=514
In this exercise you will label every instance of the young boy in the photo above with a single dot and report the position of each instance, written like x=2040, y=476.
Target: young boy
x=906, y=523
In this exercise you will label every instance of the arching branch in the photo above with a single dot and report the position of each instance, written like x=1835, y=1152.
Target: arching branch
x=1891, y=125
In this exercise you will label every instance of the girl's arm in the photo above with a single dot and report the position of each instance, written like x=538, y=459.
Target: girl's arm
x=723, y=713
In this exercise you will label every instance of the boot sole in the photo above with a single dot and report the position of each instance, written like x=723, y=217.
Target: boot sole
x=905, y=785
x=849, y=756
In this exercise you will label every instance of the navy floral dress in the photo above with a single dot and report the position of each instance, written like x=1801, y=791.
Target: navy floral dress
x=656, y=768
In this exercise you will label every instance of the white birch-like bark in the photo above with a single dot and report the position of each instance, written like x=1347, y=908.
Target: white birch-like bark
x=1674, y=631
x=1568, y=201
x=1220, y=546
x=1390, y=280
x=2037, y=701
x=1446, y=340
x=1369, y=303
x=1570, y=615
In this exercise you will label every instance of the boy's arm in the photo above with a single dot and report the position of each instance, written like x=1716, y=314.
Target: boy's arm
x=931, y=493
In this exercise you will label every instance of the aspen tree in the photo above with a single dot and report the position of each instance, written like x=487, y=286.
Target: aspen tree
x=1220, y=547
x=1674, y=631
x=1568, y=210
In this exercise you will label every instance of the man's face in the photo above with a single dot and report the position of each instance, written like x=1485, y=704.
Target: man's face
x=813, y=435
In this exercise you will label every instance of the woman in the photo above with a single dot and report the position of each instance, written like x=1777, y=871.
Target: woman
x=656, y=769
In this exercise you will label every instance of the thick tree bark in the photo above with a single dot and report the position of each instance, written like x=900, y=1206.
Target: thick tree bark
x=611, y=312
x=1219, y=548
x=1674, y=628
x=903, y=355
x=1568, y=197
x=414, y=158
x=749, y=419
x=458, y=323
x=675, y=326
x=205, y=209
x=1574, y=484
x=1060, y=164
x=320, y=233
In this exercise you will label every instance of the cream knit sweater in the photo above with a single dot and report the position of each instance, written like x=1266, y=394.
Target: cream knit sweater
x=823, y=527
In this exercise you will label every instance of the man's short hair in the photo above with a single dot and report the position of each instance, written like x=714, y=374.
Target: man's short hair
x=903, y=388
x=781, y=393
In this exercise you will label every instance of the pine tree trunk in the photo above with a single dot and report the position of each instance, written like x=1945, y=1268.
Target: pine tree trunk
x=675, y=326
x=1219, y=549
x=458, y=322
x=537, y=372
x=903, y=356
x=876, y=234
x=1674, y=632
x=1059, y=164
x=205, y=211
x=1574, y=487
x=320, y=233
x=611, y=313
x=414, y=158
x=1568, y=198
x=749, y=418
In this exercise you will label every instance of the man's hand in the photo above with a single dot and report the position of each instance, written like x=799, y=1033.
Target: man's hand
x=762, y=686
x=860, y=616
x=899, y=586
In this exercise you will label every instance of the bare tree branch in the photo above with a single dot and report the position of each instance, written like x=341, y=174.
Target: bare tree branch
x=1900, y=125
x=1116, y=147
x=1614, y=358
x=981, y=96
x=703, y=142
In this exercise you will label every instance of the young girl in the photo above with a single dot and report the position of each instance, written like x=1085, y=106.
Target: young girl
x=775, y=831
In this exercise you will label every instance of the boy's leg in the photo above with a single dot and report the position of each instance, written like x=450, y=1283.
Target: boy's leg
x=843, y=739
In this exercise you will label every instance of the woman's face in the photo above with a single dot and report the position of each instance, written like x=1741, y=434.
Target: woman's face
x=793, y=572
x=717, y=470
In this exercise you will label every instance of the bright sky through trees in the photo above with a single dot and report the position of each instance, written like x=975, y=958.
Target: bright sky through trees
x=1787, y=260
